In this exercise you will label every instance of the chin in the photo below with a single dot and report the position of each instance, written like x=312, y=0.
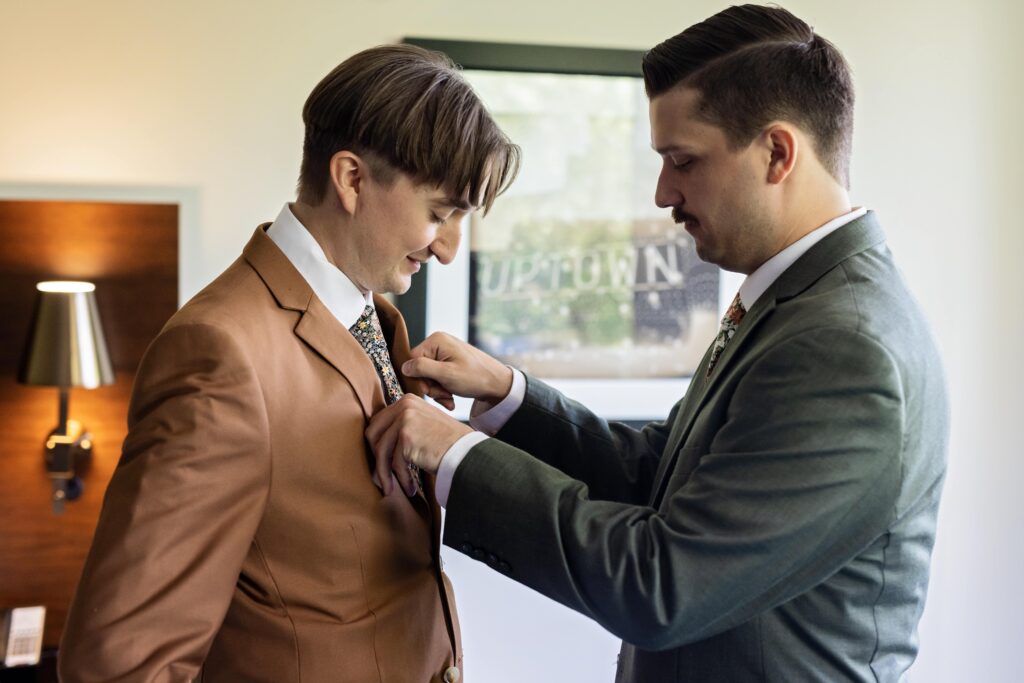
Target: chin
x=399, y=285
x=702, y=252
x=715, y=258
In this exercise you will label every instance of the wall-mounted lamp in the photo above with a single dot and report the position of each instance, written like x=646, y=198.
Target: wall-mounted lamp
x=65, y=349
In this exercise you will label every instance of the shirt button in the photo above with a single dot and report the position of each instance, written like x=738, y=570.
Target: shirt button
x=451, y=674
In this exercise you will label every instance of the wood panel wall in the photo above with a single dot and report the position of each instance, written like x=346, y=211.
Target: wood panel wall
x=130, y=251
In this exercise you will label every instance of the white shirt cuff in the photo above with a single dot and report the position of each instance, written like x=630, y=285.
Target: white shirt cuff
x=450, y=462
x=491, y=421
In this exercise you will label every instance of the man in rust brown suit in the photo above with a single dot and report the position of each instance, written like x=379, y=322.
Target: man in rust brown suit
x=244, y=536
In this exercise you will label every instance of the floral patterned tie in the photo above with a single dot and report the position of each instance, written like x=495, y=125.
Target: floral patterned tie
x=726, y=332
x=368, y=333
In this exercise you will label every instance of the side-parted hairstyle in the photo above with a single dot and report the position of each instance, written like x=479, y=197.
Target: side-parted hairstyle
x=753, y=65
x=405, y=109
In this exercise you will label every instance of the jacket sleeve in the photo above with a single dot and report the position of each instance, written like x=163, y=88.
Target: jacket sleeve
x=800, y=477
x=178, y=517
x=615, y=461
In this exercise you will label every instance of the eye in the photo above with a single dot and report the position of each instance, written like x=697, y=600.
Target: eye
x=437, y=220
x=681, y=164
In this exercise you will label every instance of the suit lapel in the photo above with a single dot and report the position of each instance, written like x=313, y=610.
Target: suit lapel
x=697, y=394
x=845, y=242
x=317, y=327
x=680, y=426
x=325, y=335
x=393, y=326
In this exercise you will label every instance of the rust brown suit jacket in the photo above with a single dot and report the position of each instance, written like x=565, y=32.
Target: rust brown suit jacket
x=241, y=537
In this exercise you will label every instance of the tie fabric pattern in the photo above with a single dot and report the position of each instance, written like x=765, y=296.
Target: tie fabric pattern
x=726, y=332
x=369, y=335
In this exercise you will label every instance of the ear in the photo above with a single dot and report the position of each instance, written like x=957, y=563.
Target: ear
x=348, y=176
x=782, y=145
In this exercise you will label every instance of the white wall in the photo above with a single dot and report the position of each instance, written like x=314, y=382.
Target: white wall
x=207, y=96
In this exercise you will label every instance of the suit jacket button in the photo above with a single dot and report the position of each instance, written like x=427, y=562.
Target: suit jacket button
x=504, y=567
x=452, y=675
x=466, y=548
x=492, y=559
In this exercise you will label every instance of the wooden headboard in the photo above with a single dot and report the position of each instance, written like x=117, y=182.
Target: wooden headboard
x=130, y=251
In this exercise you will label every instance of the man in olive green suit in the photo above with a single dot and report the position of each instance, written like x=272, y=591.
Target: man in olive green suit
x=778, y=525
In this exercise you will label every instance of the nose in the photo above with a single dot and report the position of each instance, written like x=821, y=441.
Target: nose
x=446, y=243
x=665, y=195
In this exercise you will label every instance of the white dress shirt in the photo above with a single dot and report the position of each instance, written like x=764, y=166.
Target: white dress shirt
x=488, y=422
x=339, y=294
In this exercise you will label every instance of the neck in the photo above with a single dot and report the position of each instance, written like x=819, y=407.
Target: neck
x=327, y=226
x=324, y=224
x=317, y=222
x=821, y=205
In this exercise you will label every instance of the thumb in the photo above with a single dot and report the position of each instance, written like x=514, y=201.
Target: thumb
x=428, y=348
x=425, y=368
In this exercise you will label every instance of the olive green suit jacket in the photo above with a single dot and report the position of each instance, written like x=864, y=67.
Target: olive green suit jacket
x=777, y=526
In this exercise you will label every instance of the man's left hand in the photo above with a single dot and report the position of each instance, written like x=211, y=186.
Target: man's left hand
x=411, y=431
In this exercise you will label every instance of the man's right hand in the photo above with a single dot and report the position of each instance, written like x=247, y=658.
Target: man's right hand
x=450, y=367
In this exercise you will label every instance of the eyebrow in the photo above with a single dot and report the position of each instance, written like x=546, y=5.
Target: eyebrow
x=456, y=202
x=668, y=149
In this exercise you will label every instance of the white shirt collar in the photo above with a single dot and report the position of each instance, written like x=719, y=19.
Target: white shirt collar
x=339, y=294
x=761, y=279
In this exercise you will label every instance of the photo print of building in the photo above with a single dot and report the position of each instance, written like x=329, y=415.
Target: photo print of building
x=576, y=273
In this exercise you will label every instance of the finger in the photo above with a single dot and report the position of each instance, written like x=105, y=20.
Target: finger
x=439, y=394
x=428, y=348
x=389, y=442
x=382, y=473
x=400, y=468
x=427, y=368
x=382, y=450
x=376, y=482
x=440, y=377
x=394, y=462
x=380, y=422
x=408, y=478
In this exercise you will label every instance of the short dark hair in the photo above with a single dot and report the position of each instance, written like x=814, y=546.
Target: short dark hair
x=406, y=109
x=753, y=64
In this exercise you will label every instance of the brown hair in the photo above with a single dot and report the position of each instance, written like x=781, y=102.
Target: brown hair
x=405, y=109
x=753, y=64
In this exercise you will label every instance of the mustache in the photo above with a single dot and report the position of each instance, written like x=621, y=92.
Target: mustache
x=680, y=216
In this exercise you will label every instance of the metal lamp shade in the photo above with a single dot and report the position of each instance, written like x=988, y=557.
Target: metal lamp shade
x=66, y=347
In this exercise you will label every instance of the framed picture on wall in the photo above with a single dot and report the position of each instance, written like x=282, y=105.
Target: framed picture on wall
x=575, y=276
